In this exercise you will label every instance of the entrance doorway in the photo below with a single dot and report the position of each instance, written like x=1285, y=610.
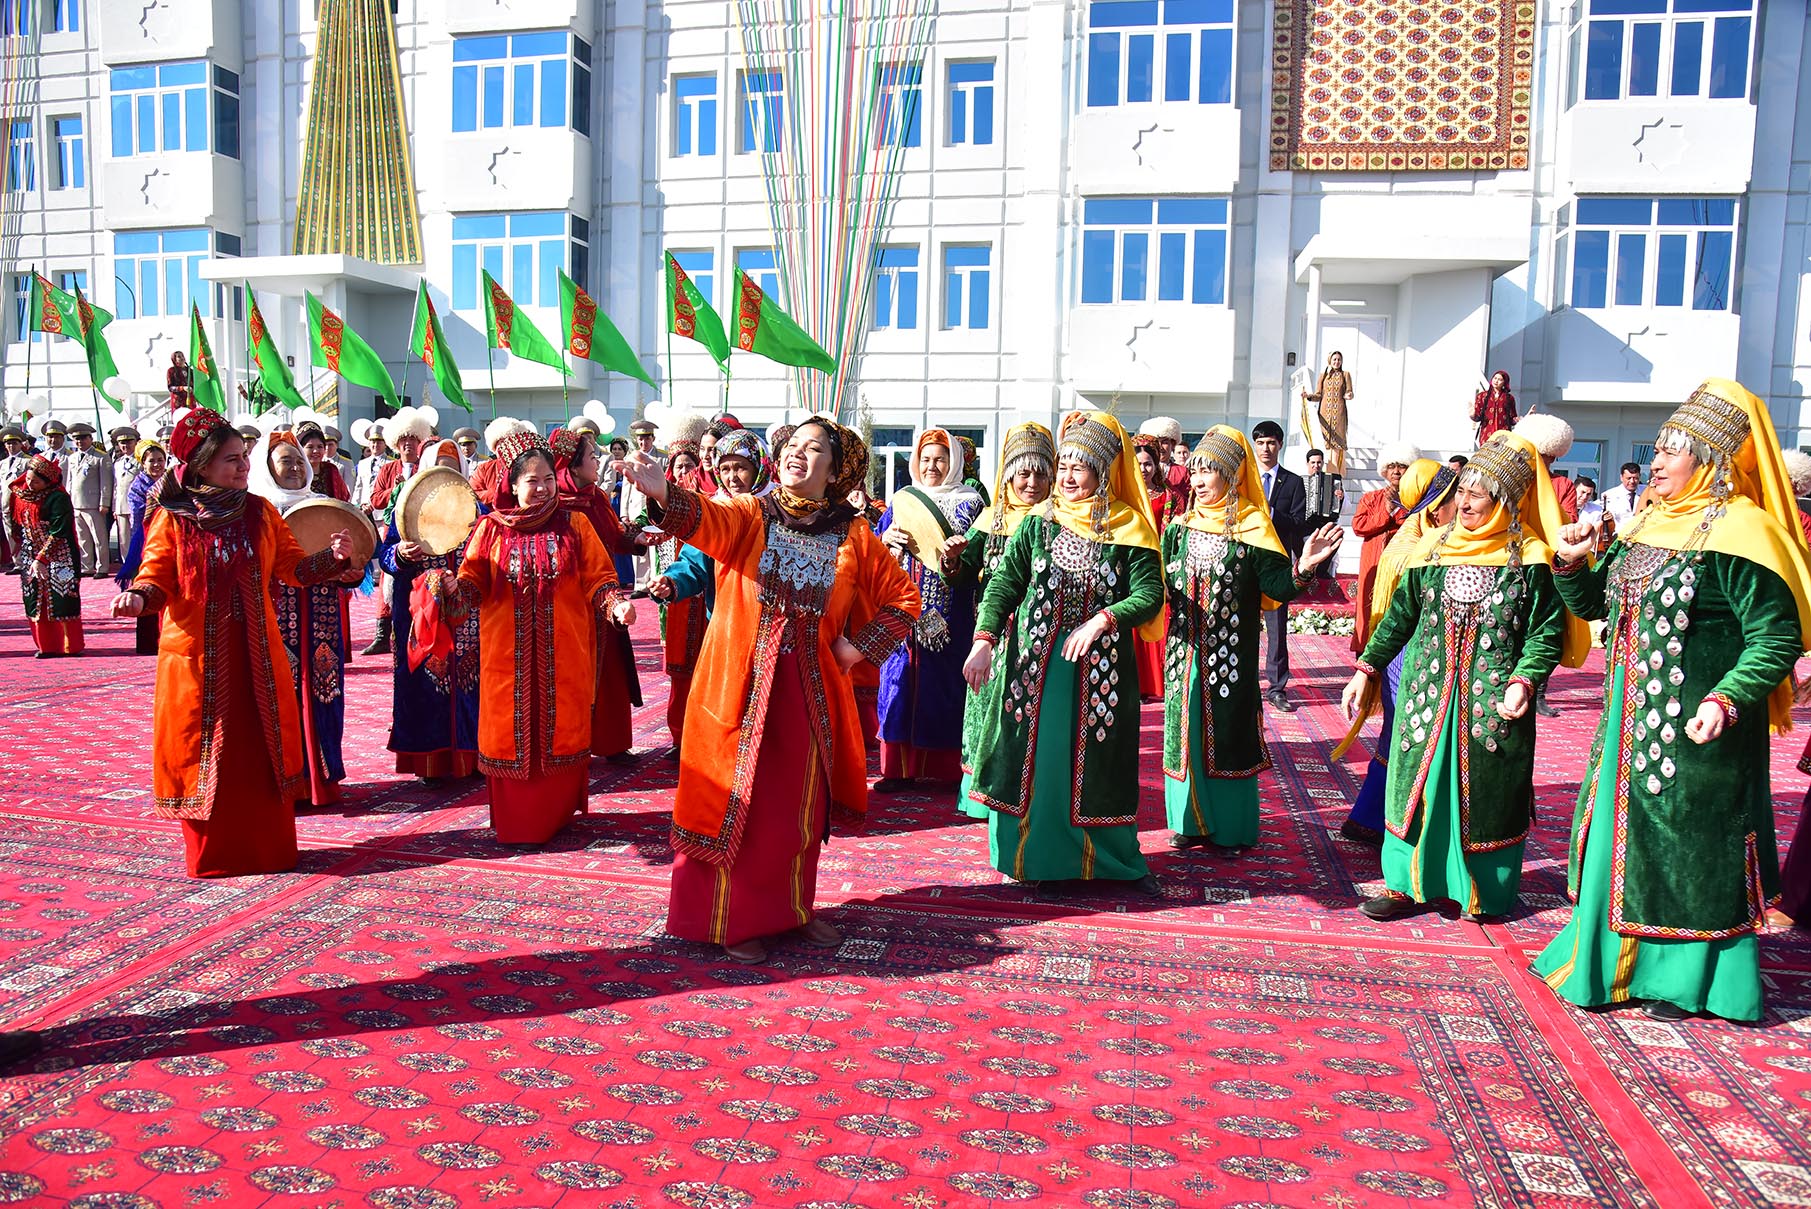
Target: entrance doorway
x=1374, y=413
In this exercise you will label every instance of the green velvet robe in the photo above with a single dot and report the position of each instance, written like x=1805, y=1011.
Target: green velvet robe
x=1694, y=824
x=1463, y=656
x=979, y=557
x=1048, y=582
x=1216, y=641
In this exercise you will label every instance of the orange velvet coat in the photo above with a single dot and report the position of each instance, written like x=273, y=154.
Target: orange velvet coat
x=191, y=664
x=1379, y=515
x=725, y=719
x=537, y=664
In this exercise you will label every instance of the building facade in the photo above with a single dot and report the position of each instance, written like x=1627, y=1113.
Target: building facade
x=1162, y=207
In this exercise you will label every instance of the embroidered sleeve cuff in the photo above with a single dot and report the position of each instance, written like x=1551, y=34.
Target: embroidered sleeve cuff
x=682, y=513
x=1304, y=578
x=1524, y=682
x=1111, y=620
x=608, y=597
x=1731, y=715
x=984, y=636
x=882, y=636
x=1572, y=567
x=1369, y=671
x=155, y=600
x=319, y=568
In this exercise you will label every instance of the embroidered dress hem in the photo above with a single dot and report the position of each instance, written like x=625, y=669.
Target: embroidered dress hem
x=1225, y=809
x=445, y=764
x=771, y=886
x=59, y=637
x=920, y=763
x=1042, y=845
x=1589, y=965
x=535, y=810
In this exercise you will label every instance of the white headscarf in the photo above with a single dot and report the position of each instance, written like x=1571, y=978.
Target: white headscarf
x=263, y=483
x=953, y=494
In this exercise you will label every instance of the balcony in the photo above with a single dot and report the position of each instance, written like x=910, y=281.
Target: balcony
x=1150, y=348
x=157, y=33
x=1640, y=354
x=1163, y=149
x=180, y=189
x=517, y=168
x=511, y=16
x=1661, y=145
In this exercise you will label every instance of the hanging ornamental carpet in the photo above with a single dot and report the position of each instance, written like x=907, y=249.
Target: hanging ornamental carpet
x=1401, y=85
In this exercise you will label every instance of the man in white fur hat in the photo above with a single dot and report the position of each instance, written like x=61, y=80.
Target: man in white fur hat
x=1552, y=439
x=405, y=432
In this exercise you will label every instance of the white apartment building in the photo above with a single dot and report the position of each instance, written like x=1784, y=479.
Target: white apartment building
x=1088, y=208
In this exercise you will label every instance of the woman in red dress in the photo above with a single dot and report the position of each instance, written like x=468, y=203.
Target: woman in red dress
x=50, y=578
x=577, y=468
x=226, y=745
x=1149, y=451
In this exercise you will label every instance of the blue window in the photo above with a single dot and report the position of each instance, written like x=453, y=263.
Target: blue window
x=897, y=119
x=66, y=16
x=21, y=157
x=69, y=146
x=165, y=108
x=1170, y=249
x=159, y=272
x=762, y=268
x=761, y=110
x=16, y=17
x=967, y=276
x=1644, y=251
x=539, y=79
x=1652, y=48
x=701, y=267
x=896, y=288
x=1171, y=50
x=226, y=112
x=971, y=103
x=695, y=114
x=523, y=252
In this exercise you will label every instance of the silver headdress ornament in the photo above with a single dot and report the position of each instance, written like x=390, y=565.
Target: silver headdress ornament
x=1221, y=452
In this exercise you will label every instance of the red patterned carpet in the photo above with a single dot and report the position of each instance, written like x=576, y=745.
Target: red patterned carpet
x=421, y=1018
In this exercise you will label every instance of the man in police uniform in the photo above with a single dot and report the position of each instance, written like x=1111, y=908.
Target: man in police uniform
x=467, y=439
x=125, y=470
x=88, y=477
x=56, y=445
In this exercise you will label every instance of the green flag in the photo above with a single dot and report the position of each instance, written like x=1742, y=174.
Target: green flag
x=506, y=327
x=763, y=328
x=100, y=358
x=429, y=343
x=591, y=336
x=689, y=315
x=205, y=378
x=342, y=350
x=273, y=371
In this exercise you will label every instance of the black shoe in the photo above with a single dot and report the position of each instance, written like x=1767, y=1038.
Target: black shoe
x=1278, y=699
x=16, y=1045
x=1659, y=1009
x=1387, y=906
x=892, y=785
x=1228, y=850
x=1477, y=917
x=1542, y=708
x=380, y=643
x=1358, y=833
x=1179, y=841
x=1147, y=885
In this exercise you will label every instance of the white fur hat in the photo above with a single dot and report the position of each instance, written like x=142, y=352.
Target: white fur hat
x=407, y=422
x=1398, y=453
x=1162, y=427
x=1548, y=433
x=1798, y=469
x=503, y=426
x=689, y=427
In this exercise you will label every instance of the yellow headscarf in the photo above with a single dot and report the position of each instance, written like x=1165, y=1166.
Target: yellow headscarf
x=1424, y=485
x=146, y=446
x=1021, y=439
x=1516, y=464
x=1229, y=451
x=1761, y=521
x=1128, y=520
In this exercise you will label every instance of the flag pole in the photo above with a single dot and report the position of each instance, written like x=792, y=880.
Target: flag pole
x=490, y=365
x=28, y=328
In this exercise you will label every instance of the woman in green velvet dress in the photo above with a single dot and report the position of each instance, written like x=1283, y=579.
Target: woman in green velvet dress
x=1707, y=600
x=1027, y=465
x=1056, y=753
x=1483, y=627
x=1223, y=564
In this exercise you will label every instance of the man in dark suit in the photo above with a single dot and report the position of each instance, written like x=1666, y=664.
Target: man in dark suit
x=1288, y=501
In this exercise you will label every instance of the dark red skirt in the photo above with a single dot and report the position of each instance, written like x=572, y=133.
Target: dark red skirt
x=534, y=810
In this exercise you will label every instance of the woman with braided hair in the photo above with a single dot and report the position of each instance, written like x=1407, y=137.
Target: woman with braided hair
x=1057, y=754
x=1482, y=626
x=539, y=578
x=773, y=750
x=1707, y=602
x=1223, y=565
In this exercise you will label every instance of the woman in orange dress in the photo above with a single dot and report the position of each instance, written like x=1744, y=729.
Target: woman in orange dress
x=539, y=578
x=618, y=690
x=773, y=747
x=1149, y=451
x=682, y=621
x=1379, y=515
x=226, y=745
